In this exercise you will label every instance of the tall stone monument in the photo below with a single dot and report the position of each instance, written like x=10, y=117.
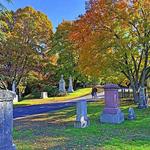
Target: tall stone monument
x=62, y=84
x=143, y=98
x=111, y=112
x=82, y=120
x=70, y=89
x=16, y=98
x=6, y=120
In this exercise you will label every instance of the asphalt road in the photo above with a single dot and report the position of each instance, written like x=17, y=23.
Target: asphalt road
x=25, y=111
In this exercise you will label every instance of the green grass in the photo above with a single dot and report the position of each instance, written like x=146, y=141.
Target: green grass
x=55, y=131
x=76, y=94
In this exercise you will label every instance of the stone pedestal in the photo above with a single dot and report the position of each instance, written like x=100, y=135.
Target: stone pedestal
x=44, y=95
x=6, y=120
x=82, y=120
x=70, y=89
x=111, y=112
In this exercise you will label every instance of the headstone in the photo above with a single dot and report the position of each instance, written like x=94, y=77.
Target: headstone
x=82, y=120
x=111, y=112
x=62, y=85
x=142, y=98
x=16, y=98
x=131, y=114
x=70, y=89
x=6, y=120
x=44, y=95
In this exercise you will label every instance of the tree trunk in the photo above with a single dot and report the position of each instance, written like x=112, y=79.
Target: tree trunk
x=9, y=86
x=75, y=84
x=135, y=96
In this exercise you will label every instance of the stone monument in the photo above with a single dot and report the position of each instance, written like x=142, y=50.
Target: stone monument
x=16, y=98
x=6, y=120
x=111, y=112
x=70, y=89
x=44, y=95
x=82, y=120
x=131, y=114
x=62, y=84
x=143, y=98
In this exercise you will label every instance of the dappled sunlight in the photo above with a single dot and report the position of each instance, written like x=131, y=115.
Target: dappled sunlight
x=56, y=130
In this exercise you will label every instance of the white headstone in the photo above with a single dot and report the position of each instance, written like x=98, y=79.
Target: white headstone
x=44, y=95
x=82, y=120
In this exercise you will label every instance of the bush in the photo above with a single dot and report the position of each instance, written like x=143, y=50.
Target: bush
x=51, y=90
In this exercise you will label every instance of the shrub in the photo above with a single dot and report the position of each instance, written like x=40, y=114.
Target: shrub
x=51, y=90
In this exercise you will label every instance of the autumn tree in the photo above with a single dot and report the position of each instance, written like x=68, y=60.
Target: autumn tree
x=3, y=10
x=29, y=34
x=67, y=57
x=116, y=34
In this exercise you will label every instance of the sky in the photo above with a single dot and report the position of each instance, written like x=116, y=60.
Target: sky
x=56, y=10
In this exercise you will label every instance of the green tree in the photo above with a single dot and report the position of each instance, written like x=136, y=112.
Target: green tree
x=28, y=36
x=67, y=58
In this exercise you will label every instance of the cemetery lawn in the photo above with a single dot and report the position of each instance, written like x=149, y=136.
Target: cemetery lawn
x=55, y=131
x=76, y=94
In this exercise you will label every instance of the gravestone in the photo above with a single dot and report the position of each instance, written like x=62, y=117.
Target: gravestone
x=44, y=95
x=70, y=89
x=111, y=112
x=82, y=120
x=16, y=98
x=6, y=120
x=143, y=98
x=62, y=84
x=131, y=114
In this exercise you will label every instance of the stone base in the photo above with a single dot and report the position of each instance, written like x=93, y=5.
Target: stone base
x=8, y=147
x=82, y=124
x=112, y=118
x=70, y=91
x=62, y=94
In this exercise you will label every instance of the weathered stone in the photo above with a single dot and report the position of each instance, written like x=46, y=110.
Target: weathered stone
x=142, y=98
x=6, y=120
x=44, y=95
x=62, y=84
x=131, y=114
x=70, y=89
x=111, y=112
x=82, y=120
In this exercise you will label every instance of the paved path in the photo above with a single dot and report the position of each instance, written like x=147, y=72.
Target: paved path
x=44, y=108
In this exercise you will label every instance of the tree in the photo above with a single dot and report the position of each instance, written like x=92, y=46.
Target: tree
x=67, y=58
x=29, y=34
x=118, y=33
x=3, y=10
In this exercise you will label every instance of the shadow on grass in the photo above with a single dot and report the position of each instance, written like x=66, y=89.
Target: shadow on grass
x=56, y=131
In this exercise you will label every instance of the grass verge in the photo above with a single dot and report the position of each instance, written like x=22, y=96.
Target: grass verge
x=55, y=131
x=76, y=94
